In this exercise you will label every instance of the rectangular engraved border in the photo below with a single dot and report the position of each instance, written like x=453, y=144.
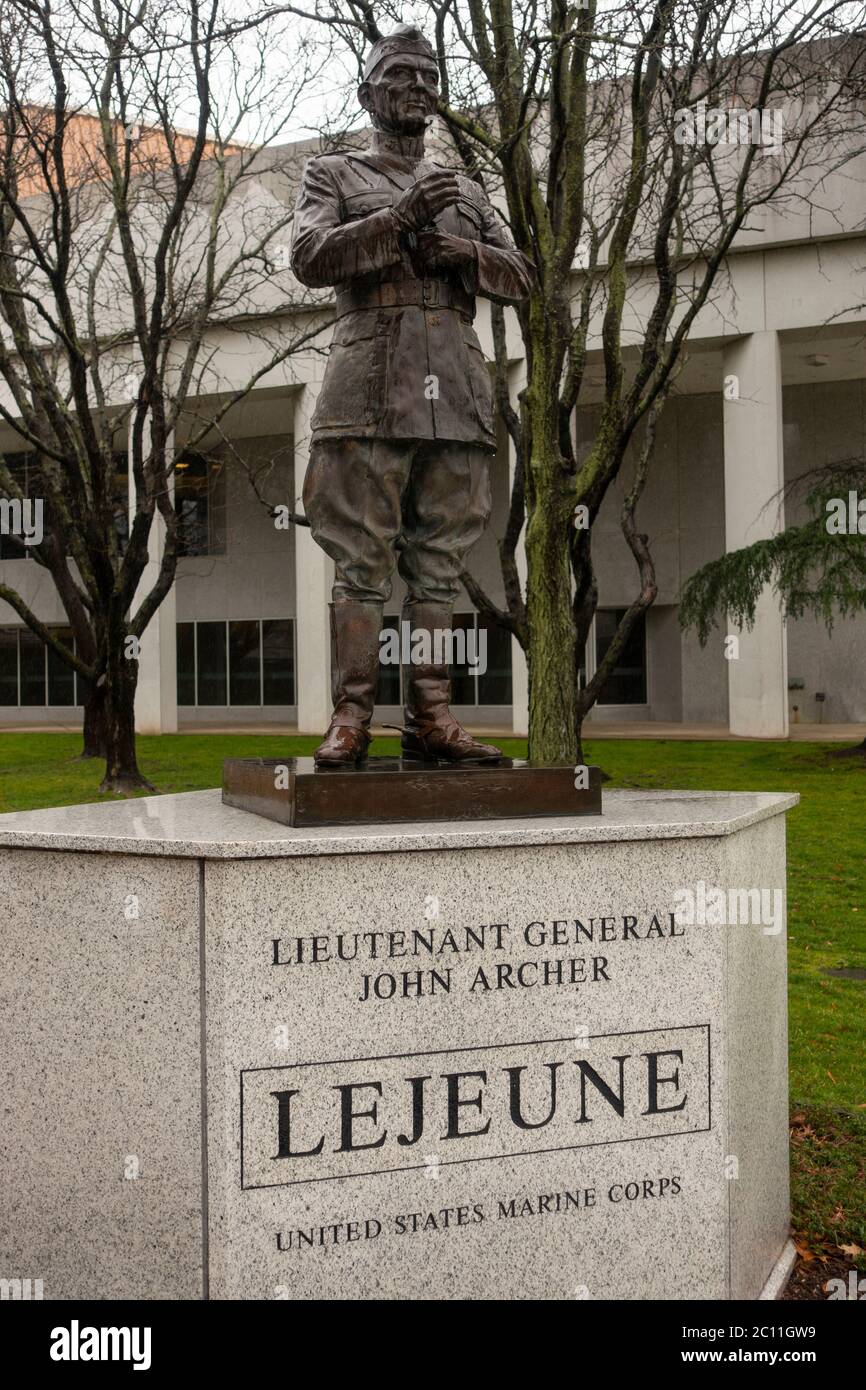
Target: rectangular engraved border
x=487, y=1158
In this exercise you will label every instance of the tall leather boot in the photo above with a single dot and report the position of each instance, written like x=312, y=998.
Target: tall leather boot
x=355, y=629
x=431, y=731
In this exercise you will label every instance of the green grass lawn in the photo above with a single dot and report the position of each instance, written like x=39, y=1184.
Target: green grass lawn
x=826, y=908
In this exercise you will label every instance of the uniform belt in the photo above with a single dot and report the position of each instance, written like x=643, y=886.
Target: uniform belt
x=429, y=293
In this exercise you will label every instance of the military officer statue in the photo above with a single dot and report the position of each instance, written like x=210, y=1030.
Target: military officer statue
x=403, y=428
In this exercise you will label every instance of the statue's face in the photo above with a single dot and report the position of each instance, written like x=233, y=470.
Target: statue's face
x=402, y=93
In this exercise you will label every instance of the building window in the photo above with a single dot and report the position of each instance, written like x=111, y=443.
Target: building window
x=200, y=504
x=494, y=686
x=186, y=663
x=278, y=661
x=25, y=471
x=236, y=663
x=120, y=500
x=388, y=689
x=31, y=674
x=245, y=664
x=211, y=665
x=468, y=686
x=25, y=474
x=627, y=682
x=61, y=678
x=8, y=666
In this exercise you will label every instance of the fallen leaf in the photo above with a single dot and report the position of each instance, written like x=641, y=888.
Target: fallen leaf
x=852, y=1250
x=832, y=1077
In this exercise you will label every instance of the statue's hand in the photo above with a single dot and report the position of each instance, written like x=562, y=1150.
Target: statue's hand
x=441, y=251
x=423, y=202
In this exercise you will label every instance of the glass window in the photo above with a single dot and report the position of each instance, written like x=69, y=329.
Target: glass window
x=12, y=547
x=190, y=503
x=185, y=663
x=278, y=661
x=258, y=661
x=467, y=686
x=61, y=678
x=626, y=685
x=8, y=666
x=462, y=678
x=245, y=686
x=211, y=651
x=217, y=527
x=36, y=490
x=32, y=668
x=120, y=499
x=388, y=689
x=494, y=686
x=199, y=500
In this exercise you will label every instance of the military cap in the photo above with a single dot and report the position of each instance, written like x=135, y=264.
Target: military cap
x=406, y=38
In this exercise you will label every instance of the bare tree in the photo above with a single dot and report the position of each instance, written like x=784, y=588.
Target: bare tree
x=143, y=233
x=606, y=130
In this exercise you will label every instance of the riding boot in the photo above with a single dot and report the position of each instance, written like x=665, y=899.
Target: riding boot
x=355, y=629
x=431, y=732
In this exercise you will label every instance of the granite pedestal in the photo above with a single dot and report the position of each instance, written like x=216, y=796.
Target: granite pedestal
x=511, y=1059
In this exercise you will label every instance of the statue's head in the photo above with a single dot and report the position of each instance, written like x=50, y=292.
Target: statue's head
x=401, y=82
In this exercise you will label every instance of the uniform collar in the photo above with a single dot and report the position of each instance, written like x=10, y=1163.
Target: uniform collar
x=397, y=146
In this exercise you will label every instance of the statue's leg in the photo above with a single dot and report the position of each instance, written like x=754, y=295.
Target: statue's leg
x=446, y=508
x=352, y=497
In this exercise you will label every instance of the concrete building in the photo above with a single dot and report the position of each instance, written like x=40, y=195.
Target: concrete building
x=243, y=641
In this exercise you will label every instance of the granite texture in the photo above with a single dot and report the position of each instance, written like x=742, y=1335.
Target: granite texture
x=756, y=987
x=289, y=1019
x=477, y=1016
x=100, y=1075
x=198, y=825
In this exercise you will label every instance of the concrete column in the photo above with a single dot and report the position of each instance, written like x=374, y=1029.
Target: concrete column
x=314, y=575
x=156, y=692
x=519, y=670
x=754, y=474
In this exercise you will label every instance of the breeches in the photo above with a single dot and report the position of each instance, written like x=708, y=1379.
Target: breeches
x=374, y=503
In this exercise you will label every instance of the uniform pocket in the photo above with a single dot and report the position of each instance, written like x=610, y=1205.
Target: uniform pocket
x=479, y=376
x=371, y=200
x=355, y=387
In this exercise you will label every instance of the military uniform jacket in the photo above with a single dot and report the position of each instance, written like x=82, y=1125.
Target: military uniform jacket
x=405, y=361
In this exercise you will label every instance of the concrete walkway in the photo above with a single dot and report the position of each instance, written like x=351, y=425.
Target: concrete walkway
x=803, y=733
x=800, y=733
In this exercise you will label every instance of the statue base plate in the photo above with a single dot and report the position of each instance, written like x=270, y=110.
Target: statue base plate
x=384, y=790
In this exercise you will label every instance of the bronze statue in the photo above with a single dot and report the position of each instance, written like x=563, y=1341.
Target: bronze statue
x=403, y=429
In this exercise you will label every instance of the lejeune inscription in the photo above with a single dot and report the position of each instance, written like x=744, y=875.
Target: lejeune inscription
x=331, y=1118
x=359, y=1117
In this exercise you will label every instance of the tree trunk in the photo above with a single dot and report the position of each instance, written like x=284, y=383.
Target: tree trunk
x=584, y=606
x=94, y=723
x=550, y=620
x=121, y=767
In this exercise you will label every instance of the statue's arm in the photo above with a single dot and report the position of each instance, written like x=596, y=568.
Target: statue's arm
x=502, y=273
x=326, y=251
